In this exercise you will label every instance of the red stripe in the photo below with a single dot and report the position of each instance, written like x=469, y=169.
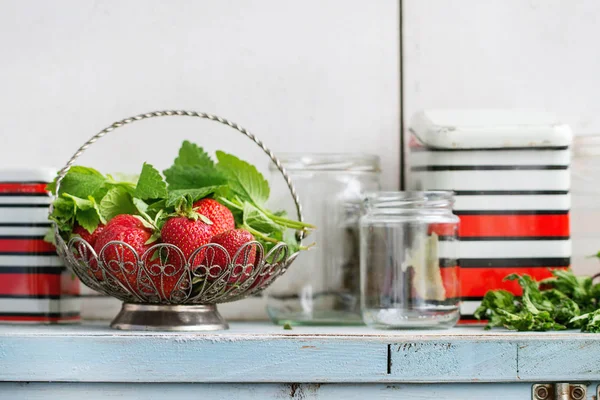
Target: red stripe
x=23, y=188
x=451, y=281
x=475, y=282
x=514, y=225
x=443, y=229
x=471, y=322
x=38, y=284
x=25, y=246
x=40, y=318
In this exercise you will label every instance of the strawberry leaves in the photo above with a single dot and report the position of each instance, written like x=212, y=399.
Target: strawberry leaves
x=193, y=169
x=151, y=184
x=117, y=201
x=80, y=182
x=244, y=179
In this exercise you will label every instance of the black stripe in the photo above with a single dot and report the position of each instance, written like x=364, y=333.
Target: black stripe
x=469, y=298
x=95, y=296
x=445, y=238
x=22, y=182
x=508, y=192
x=25, y=224
x=31, y=254
x=24, y=205
x=439, y=149
x=469, y=316
x=510, y=238
x=19, y=194
x=513, y=262
x=488, y=168
x=30, y=237
x=33, y=270
x=39, y=296
x=40, y=314
x=448, y=262
x=511, y=212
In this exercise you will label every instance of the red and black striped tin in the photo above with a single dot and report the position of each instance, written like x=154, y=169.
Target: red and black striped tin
x=513, y=201
x=35, y=286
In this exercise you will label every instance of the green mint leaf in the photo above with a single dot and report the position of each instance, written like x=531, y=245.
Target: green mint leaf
x=88, y=219
x=191, y=155
x=140, y=205
x=82, y=182
x=117, y=201
x=151, y=184
x=191, y=195
x=81, y=204
x=49, y=236
x=257, y=220
x=196, y=177
x=63, y=210
x=244, y=179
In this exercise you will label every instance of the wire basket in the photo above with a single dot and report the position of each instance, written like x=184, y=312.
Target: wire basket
x=162, y=289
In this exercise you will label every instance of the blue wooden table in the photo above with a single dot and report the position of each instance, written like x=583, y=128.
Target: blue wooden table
x=263, y=361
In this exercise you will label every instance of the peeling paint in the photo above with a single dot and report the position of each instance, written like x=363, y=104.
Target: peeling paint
x=300, y=391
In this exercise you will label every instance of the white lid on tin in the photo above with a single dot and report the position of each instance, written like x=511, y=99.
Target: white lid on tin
x=484, y=129
x=33, y=175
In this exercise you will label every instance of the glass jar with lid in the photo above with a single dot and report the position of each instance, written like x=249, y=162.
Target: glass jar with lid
x=585, y=207
x=409, y=260
x=323, y=285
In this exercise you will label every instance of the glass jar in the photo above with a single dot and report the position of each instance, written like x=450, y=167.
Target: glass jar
x=322, y=287
x=409, y=260
x=585, y=207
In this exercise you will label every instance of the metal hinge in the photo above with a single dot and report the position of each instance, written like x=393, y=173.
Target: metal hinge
x=559, y=391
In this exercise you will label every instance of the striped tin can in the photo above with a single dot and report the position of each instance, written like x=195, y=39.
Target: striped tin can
x=510, y=174
x=35, y=286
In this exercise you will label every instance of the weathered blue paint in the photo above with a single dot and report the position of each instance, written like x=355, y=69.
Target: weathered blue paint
x=454, y=361
x=255, y=353
x=101, y=391
x=552, y=360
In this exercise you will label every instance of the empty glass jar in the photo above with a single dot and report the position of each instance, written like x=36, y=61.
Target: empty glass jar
x=409, y=267
x=322, y=287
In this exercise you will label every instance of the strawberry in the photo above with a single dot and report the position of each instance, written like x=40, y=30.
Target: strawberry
x=232, y=241
x=126, y=220
x=186, y=234
x=85, y=235
x=220, y=216
x=82, y=252
x=130, y=230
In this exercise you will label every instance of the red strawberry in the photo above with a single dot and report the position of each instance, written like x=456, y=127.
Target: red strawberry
x=123, y=228
x=85, y=235
x=232, y=241
x=221, y=216
x=126, y=220
x=186, y=234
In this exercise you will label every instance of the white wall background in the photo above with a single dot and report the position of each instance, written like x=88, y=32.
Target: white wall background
x=504, y=53
x=303, y=75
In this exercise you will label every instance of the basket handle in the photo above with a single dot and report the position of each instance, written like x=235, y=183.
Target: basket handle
x=171, y=113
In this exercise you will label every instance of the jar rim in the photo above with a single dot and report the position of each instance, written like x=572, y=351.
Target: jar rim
x=409, y=199
x=355, y=162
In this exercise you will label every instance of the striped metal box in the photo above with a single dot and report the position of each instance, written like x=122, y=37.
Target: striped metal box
x=510, y=173
x=34, y=284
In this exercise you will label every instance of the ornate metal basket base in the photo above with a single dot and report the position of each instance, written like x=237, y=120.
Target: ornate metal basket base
x=150, y=317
